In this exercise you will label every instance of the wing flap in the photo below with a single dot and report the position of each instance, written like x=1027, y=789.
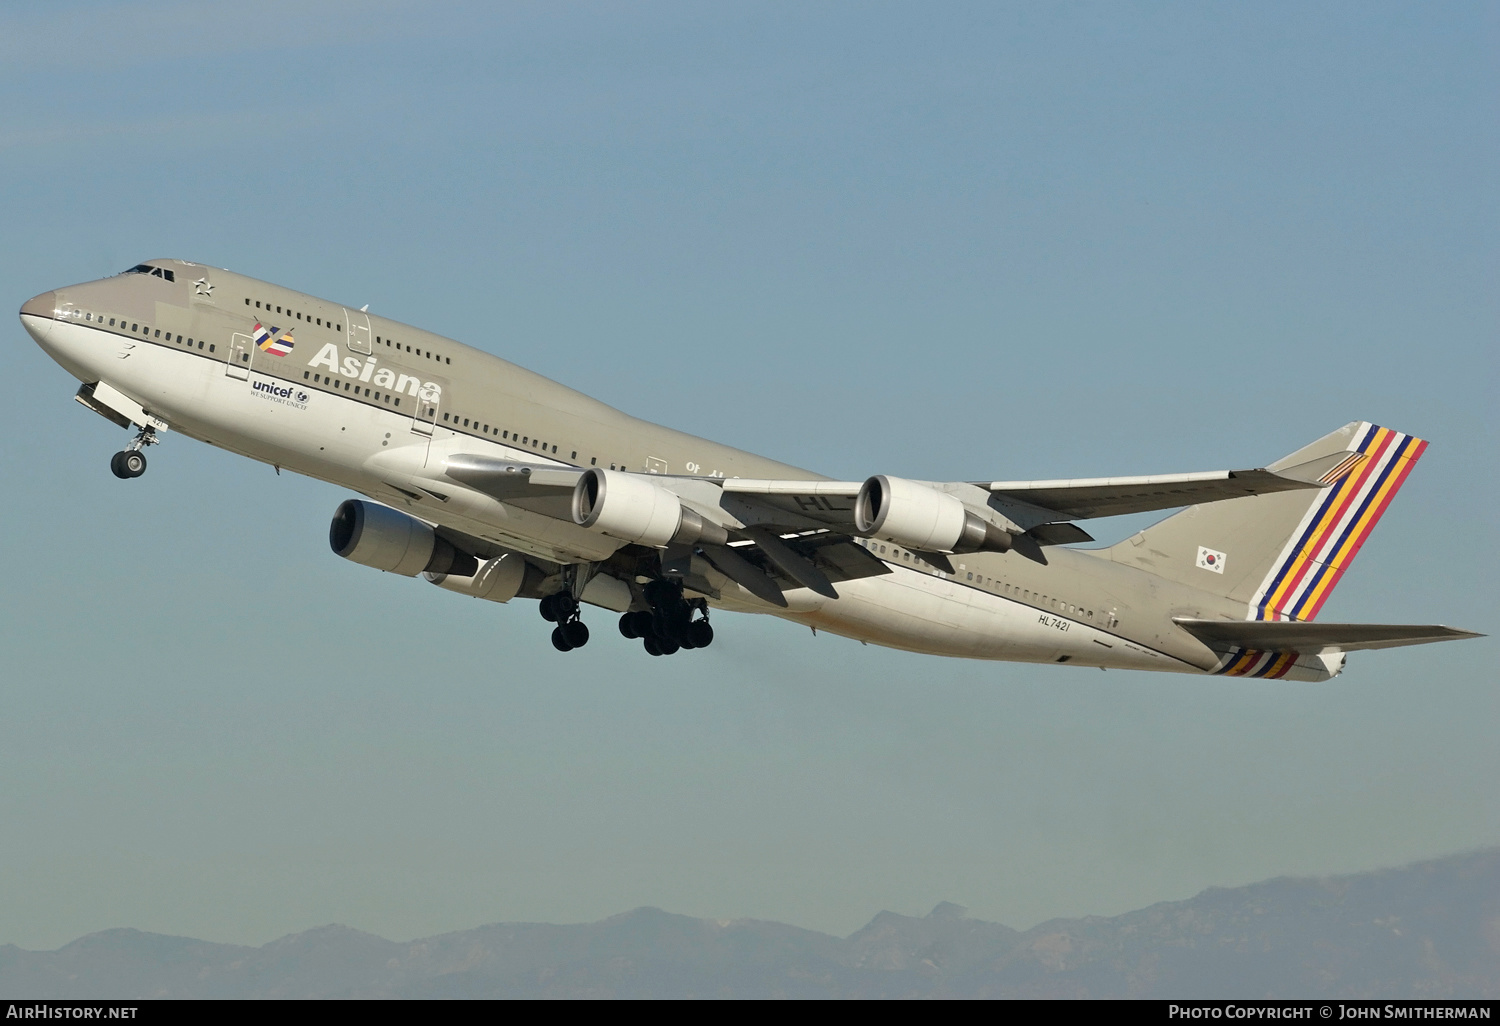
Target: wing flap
x=790, y=562
x=1301, y=636
x=744, y=573
x=841, y=559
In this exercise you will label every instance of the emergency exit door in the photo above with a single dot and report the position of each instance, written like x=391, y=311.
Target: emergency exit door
x=241, y=348
x=358, y=323
x=425, y=419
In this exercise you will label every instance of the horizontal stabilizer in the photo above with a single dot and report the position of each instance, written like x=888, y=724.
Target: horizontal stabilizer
x=1298, y=636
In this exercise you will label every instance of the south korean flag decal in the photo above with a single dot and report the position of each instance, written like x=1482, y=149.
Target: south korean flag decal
x=1208, y=559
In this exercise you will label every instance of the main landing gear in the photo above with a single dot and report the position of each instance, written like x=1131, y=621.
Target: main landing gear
x=672, y=621
x=131, y=461
x=669, y=625
x=561, y=608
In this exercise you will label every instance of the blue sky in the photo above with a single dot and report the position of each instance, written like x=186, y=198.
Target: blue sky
x=964, y=241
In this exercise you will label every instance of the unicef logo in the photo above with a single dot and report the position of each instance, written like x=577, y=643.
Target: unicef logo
x=303, y=397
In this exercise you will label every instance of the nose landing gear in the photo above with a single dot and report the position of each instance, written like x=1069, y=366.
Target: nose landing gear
x=131, y=461
x=669, y=624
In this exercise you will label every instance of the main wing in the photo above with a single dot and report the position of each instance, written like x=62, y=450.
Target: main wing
x=801, y=533
x=1027, y=506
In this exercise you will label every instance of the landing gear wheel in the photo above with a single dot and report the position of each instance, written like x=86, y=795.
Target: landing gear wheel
x=575, y=633
x=548, y=608
x=701, y=634
x=560, y=640
x=663, y=625
x=669, y=622
x=127, y=464
x=641, y=623
x=651, y=645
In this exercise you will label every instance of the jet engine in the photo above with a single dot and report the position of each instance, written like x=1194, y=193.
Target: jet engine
x=495, y=580
x=919, y=517
x=388, y=539
x=636, y=509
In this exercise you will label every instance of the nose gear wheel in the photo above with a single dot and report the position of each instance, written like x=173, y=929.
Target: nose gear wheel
x=127, y=464
x=130, y=461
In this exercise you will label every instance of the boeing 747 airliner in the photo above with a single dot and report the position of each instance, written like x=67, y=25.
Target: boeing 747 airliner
x=493, y=482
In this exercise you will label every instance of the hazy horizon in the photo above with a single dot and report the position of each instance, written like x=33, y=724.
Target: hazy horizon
x=942, y=908
x=1421, y=931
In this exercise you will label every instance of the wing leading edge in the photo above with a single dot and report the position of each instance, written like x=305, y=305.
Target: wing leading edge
x=1083, y=499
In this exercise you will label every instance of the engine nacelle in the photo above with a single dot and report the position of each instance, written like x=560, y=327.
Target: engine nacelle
x=388, y=539
x=918, y=516
x=496, y=580
x=635, y=509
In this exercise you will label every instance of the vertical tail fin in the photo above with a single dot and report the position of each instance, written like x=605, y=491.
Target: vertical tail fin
x=1283, y=554
x=1336, y=526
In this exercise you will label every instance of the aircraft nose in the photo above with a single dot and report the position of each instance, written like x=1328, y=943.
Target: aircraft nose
x=44, y=305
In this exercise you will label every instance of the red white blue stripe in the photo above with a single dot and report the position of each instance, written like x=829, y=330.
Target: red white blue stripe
x=1327, y=540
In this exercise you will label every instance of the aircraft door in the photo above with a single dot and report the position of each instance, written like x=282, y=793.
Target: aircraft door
x=241, y=348
x=358, y=323
x=425, y=419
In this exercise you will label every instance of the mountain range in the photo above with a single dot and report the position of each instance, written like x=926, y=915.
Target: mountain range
x=1430, y=930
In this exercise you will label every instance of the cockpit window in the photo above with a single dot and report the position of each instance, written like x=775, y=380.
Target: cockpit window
x=155, y=272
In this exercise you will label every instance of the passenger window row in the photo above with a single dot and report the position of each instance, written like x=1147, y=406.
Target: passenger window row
x=352, y=387
x=136, y=328
x=298, y=314
x=428, y=353
x=456, y=421
x=514, y=437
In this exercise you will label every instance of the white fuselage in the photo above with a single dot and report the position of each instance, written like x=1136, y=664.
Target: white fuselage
x=379, y=452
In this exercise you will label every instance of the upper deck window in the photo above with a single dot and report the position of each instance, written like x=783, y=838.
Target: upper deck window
x=155, y=272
